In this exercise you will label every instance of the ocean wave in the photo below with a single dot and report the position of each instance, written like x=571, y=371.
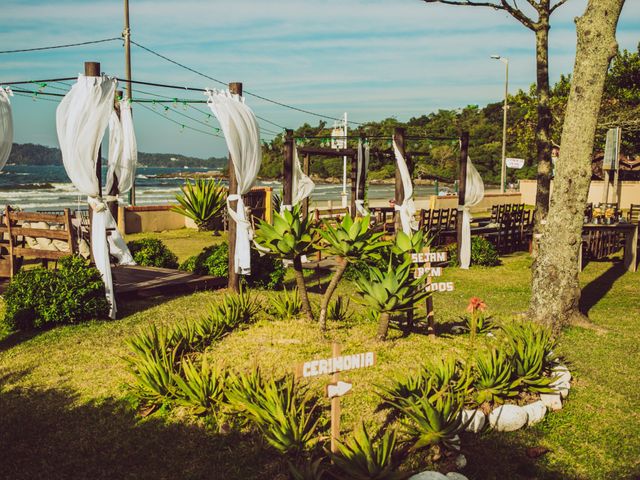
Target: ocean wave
x=28, y=186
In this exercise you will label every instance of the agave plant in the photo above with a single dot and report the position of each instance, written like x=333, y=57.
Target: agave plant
x=235, y=309
x=339, y=309
x=201, y=388
x=350, y=241
x=531, y=348
x=289, y=238
x=202, y=201
x=284, y=413
x=433, y=422
x=493, y=380
x=154, y=375
x=404, y=245
x=359, y=458
x=390, y=291
x=308, y=470
x=286, y=305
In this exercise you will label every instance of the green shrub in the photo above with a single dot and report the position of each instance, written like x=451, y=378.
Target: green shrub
x=267, y=272
x=39, y=297
x=152, y=252
x=286, y=305
x=483, y=253
x=201, y=388
x=360, y=458
x=202, y=201
x=339, y=309
x=493, y=378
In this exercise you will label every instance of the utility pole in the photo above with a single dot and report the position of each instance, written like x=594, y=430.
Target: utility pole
x=503, y=169
x=126, y=35
x=234, y=278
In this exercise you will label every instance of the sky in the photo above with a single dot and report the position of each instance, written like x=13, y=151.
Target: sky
x=373, y=59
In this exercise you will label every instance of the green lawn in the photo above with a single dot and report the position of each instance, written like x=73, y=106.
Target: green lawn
x=64, y=410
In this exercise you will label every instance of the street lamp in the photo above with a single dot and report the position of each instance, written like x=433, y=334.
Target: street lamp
x=503, y=170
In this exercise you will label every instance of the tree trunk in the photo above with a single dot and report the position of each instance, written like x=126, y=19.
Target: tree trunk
x=555, y=288
x=383, y=325
x=342, y=266
x=302, y=288
x=543, y=127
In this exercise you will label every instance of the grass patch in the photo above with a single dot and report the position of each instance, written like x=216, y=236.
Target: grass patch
x=66, y=414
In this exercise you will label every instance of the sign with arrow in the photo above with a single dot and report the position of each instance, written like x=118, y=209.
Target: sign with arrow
x=338, y=389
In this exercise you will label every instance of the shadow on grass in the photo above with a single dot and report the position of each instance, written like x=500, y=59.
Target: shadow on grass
x=46, y=434
x=599, y=287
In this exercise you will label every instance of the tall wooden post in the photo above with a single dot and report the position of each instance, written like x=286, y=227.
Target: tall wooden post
x=354, y=185
x=398, y=137
x=115, y=190
x=92, y=69
x=234, y=278
x=335, y=405
x=305, y=202
x=462, y=184
x=287, y=168
x=126, y=36
x=363, y=173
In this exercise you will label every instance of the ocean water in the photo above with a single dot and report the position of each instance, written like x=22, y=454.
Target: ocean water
x=48, y=187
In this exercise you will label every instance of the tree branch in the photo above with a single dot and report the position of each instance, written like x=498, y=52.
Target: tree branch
x=559, y=4
x=503, y=5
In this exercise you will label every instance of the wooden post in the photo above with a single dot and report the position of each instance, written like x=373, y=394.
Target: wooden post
x=114, y=191
x=335, y=405
x=462, y=184
x=354, y=185
x=431, y=319
x=305, y=202
x=398, y=137
x=92, y=69
x=234, y=278
x=126, y=36
x=363, y=174
x=287, y=168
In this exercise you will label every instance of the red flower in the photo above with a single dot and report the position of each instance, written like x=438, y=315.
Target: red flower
x=476, y=304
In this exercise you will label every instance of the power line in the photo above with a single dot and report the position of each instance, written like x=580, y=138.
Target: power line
x=52, y=47
x=247, y=92
x=178, y=123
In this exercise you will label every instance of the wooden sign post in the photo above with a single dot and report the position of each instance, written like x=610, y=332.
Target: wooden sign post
x=336, y=389
x=426, y=259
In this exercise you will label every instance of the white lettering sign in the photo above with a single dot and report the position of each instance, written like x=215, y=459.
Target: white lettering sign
x=429, y=257
x=439, y=287
x=515, y=162
x=429, y=271
x=337, y=364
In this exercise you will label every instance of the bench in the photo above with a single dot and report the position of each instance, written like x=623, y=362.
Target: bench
x=42, y=236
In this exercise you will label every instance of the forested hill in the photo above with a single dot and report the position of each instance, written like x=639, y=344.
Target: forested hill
x=31, y=154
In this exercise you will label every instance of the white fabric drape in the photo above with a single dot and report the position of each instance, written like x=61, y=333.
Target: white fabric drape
x=407, y=209
x=302, y=185
x=363, y=158
x=242, y=134
x=6, y=126
x=81, y=120
x=123, y=149
x=474, y=193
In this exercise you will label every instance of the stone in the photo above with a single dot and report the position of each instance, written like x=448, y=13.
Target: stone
x=562, y=373
x=461, y=461
x=478, y=421
x=535, y=412
x=508, y=418
x=458, y=330
x=562, y=388
x=455, y=443
x=553, y=401
x=456, y=476
x=429, y=475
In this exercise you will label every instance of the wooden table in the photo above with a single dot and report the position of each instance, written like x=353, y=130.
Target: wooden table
x=630, y=231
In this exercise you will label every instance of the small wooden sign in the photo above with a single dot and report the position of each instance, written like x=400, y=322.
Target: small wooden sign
x=342, y=363
x=429, y=271
x=338, y=389
x=440, y=287
x=429, y=257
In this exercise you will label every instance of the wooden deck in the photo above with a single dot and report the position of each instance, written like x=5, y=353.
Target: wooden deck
x=137, y=281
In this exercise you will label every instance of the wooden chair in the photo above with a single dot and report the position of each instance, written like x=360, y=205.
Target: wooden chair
x=28, y=234
x=634, y=213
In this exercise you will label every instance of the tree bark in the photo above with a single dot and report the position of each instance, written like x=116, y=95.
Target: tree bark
x=555, y=288
x=543, y=127
x=342, y=266
x=383, y=325
x=302, y=288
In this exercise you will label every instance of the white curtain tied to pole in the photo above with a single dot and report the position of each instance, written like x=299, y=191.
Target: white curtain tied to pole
x=407, y=209
x=123, y=149
x=473, y=195
x=6, y=126
x=302, y=185
x=363, y=158
x=81, y=120
x=242, y=135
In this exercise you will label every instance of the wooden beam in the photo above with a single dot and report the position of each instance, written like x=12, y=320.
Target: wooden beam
x=398, y=137
x=305, y=202
x=287, y=168
x=115, y=190
x=234, y=278
x=328, y=152
x=354, y=185
x=92, y=69
x=462, y=184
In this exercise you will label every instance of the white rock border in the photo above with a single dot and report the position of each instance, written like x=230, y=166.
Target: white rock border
x=508, y=418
